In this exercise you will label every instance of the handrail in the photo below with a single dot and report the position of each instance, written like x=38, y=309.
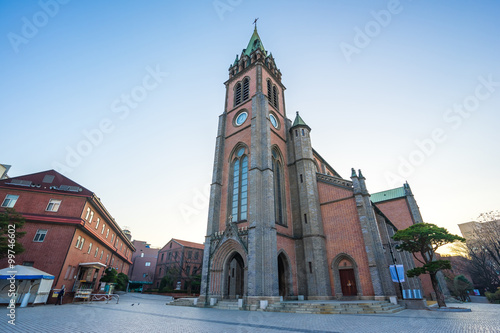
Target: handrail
x=107, y=297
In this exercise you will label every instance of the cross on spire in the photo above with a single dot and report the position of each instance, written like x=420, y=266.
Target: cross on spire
x=255, y=23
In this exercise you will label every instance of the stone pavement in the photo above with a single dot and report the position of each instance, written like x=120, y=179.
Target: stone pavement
x=148, y=313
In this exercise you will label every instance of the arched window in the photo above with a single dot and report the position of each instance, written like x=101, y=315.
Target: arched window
x=237, y=94
x=278, y=188
x=275, y=97
x=269, y=91
x=246, y=88
x=239, y=193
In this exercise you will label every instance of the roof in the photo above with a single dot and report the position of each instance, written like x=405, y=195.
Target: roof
x=254, y=44
x=388, y=195
x=24, y=273
x=299, y=121
x=189, y=244
x=44, y=181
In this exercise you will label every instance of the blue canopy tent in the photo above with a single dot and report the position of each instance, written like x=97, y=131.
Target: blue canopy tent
x=30, y=285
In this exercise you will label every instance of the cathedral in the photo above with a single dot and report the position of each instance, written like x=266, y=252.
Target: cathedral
x=282, y=223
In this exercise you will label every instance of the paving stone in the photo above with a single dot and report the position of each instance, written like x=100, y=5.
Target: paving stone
x=149, y=313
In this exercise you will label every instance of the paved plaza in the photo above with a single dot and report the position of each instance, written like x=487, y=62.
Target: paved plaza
x=148, y=313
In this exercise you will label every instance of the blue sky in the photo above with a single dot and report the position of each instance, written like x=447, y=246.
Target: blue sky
x=403, y=90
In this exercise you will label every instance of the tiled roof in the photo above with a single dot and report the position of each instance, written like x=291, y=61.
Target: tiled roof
x=189, y=244
x=388, y=195
x=49, y=180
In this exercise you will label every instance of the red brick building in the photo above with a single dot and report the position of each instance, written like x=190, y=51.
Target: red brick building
x=142, y=270
x=183, y=260
x=69, y=232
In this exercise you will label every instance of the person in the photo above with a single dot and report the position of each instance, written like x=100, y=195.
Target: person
x=60, y=296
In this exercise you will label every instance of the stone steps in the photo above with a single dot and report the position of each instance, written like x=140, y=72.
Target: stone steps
x=336, y=307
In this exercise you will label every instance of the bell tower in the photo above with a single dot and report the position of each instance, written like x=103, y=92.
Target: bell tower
x=247, y=197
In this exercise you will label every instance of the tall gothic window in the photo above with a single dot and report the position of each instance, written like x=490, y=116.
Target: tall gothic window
x=239, y=193
x=269, y=90
x=237, y=94
x=278, y=188
x=246, y=88
x=275, y=97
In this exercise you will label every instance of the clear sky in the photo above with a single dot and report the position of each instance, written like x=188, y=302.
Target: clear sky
x=123, y=97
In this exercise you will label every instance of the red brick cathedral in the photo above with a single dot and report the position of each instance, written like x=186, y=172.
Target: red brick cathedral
x=282, y=221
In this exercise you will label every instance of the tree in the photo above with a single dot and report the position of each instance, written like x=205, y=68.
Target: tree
x=109, y=276
x=483, y=249
x=11, y=223
x=425, y=239
x=121, y=281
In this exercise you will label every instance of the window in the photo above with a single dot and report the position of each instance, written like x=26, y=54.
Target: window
x=107, y=258
x=190, y=253
x=162, y=257
x=169, y=255
x=88, y=214
x=10, y=201
x=121, y=246
x=67, y=272
x=102, y=253
x=53, y=205
x=97, y=223
x=107, y=233
x=103, y=227
x=246, y=88
x=96, y=252
x=237, y=94
x=273, y=120
x=170, y=245
x=275, y=97
x=196, y=254
x=188, y=270
x=40, y=235
x=278, y=187
x=239, y=191
x=91, y=217
x=113, y=261
x=269, y=90
x=90, y=248
x=81, y=243
x=305, y=218
x=240, y=118
x=272, y=94
x=78, y=240
x=148, y=264
x=112, y=237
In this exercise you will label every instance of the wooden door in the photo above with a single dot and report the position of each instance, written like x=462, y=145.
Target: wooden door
x=348, y=282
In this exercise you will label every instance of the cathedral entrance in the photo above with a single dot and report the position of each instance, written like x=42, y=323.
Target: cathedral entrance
x=348, y=282
x=283, y=273
x=235, y=277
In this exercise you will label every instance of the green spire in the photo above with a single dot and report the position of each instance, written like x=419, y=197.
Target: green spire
x=298, y=121
x=254, y=44
x=236, y=60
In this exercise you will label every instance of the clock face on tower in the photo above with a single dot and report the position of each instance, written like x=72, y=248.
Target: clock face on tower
x=273, y=120
x=240, y=119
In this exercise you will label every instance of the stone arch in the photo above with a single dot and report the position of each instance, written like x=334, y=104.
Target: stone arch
x=285, y=283
x=345, y=263
x=220, y=268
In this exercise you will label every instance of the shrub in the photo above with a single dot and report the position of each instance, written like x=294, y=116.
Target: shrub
x=493, y=297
